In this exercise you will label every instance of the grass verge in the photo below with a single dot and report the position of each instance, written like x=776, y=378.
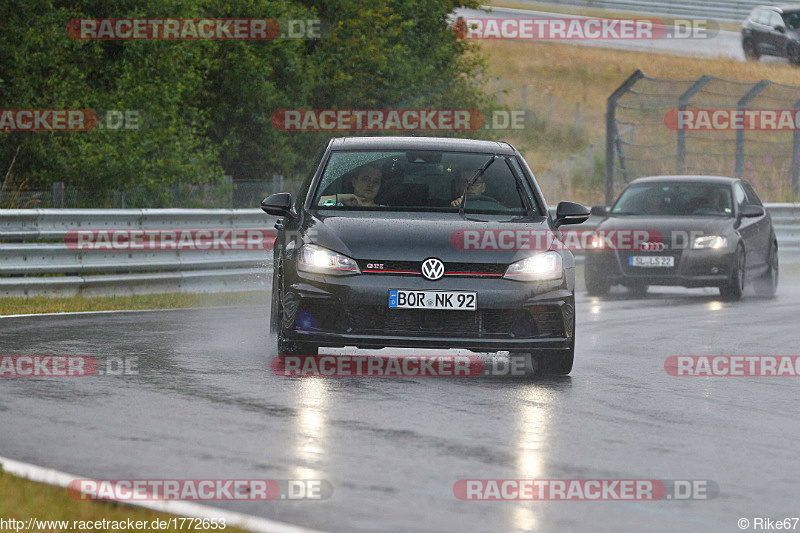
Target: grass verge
x=43, y=304
x=23, y=499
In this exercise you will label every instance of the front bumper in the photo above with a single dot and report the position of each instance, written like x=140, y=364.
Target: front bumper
x=353, y=311
x=693, y=268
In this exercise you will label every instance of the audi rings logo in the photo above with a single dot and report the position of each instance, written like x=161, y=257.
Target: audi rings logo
x=432, y=269
x=652, y=246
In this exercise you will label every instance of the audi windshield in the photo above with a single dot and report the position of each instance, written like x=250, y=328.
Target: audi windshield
x=674, y=199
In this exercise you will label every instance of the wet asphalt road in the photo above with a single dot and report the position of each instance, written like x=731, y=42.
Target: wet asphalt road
x=205, y=404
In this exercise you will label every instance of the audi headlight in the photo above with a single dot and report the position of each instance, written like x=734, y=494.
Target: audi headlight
x=319, y=260
x=715, y=242
x=539, y=267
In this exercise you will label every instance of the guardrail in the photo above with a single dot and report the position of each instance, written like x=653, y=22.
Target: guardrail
x=722, y=10
x=49, y=267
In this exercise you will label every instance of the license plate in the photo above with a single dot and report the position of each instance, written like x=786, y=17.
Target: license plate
x=453, y=300
x=651, y=261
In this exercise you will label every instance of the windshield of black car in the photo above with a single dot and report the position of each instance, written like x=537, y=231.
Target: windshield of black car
x=426, y=181
x=792, y=20
x=675, y=199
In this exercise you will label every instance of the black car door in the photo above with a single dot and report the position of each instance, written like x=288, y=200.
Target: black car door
x=760, y=35
x=763, y=224
x=747, y=228
x=776, y=34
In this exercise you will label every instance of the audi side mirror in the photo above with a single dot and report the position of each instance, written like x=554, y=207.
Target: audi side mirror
x=752, y=211
x=278, y=204
x=599, y=210
x=570, y=213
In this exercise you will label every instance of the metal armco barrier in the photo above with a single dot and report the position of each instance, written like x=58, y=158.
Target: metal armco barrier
x=34, y=259
x=723, y=10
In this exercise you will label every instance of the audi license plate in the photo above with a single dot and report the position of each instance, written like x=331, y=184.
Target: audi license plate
x=651, y=261
x=453, y=300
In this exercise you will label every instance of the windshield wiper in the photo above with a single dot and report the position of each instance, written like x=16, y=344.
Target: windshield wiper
x=471, y=182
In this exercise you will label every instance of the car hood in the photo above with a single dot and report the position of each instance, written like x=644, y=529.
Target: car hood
x=406, y=238
x=665, y=225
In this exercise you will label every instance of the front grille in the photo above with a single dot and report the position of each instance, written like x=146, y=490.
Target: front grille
x=328, y=316
x=415, y=268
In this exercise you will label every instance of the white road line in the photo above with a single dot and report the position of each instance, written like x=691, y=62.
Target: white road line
x=178, y=508
x=132, y=311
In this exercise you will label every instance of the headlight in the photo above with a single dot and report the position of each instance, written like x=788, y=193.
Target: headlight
x=539, y=267
x=710, y=241
x=313, y=258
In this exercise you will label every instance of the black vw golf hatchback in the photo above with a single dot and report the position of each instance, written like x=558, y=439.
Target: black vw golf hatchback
x=426, y=243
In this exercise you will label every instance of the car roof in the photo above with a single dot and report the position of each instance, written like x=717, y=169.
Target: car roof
x=782, y=8
x=720, y=180
x=446, y=144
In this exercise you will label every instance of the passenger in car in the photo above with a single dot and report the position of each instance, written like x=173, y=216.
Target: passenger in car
x=366, y=186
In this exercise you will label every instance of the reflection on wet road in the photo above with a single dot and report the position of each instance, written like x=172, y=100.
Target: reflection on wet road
x=205, y=404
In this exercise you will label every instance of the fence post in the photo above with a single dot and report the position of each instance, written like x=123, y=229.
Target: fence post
x=549, y=108
x=524, y=99
x=741, y=106
x=499, y=91
x=611, y=130
x=683, y=103
x=796, y=157
x=577, y=117
x=58, y=194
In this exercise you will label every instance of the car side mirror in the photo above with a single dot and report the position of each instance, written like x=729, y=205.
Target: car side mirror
x=599, y=210
x=752, y=211
x=278, y=204
x=780, y=29
x=570, y=213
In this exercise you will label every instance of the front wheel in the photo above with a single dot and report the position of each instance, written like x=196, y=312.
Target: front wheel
x=595, y=286
x=734, y=288
x=750, y=52
x=767, y=284
x=793, y=53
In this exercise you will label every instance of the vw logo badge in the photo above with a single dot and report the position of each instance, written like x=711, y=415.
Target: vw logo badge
x=432, y=269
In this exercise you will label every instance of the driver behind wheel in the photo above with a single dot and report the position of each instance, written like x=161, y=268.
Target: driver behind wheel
x=475, y=190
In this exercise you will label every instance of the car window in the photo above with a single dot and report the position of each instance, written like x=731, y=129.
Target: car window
x=774, y=20
x=792, y=20
x=674, y=199
x=419, y=181
x=761, y=17
x=752, y=197
x=739, y=196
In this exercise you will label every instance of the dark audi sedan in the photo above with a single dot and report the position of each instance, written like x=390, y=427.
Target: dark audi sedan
x=703, y=231
x=772, y=31
x=376, y=252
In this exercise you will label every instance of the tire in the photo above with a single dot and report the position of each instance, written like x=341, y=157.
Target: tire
x=594, y=285
x=639, y=290
x=767, y=284
x=750, y=51
x=734, y=288
x=284, y=346
x=793, y=54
